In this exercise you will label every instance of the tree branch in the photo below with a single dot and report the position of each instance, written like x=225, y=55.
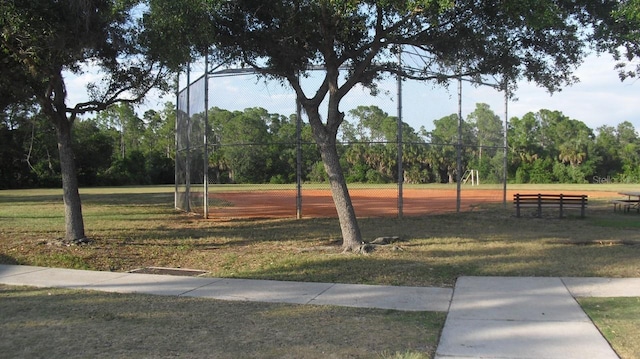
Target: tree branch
x=142, y=85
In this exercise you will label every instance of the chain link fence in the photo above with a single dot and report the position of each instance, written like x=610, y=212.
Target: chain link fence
x=244, y=149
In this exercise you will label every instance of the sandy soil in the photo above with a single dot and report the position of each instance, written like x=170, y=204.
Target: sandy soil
x=367, y=202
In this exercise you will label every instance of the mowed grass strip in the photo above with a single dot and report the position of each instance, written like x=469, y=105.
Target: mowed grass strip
x=62, y=323
x=617, y=319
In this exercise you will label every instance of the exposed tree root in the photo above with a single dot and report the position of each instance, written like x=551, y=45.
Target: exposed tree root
x=380, y=242
x=63, y=242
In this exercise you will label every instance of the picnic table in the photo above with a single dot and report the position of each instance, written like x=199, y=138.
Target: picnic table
x=631, y=202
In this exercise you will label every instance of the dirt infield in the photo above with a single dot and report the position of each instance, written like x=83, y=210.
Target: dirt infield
x=367, y=202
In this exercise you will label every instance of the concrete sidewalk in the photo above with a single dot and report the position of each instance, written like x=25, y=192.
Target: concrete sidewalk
x=349, y=295
x=489, y=317
x=518, y=318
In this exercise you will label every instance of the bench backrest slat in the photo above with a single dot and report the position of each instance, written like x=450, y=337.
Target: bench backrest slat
x=547, y=200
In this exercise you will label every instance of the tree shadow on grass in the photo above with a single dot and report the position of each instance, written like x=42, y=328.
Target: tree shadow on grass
x=5, y=259
x=484, y=227
x=442, y=267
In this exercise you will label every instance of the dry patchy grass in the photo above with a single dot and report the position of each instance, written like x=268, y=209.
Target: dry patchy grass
x=437, y=249
x=62, y=323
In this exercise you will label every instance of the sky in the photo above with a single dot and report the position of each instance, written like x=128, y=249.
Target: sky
x=600, y=98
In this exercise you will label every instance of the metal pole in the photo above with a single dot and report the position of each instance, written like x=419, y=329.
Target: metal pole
x=459, y=145
x=505, y=143
x=175, y=141
x=399, y=138
x=205, y=196
x=187, y=165
x=298, y=159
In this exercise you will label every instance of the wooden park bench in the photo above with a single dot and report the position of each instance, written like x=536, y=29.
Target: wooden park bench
x=539, y=201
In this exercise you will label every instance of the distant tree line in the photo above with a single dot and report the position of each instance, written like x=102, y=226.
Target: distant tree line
x=548, y=147
x=117, y=147
x=254, y=146
x=114, y=148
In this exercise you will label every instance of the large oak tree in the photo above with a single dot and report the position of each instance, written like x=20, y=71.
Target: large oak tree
x=42, y=41
x=354, y=43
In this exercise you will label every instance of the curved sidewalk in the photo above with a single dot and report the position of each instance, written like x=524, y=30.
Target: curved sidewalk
x=488, y=317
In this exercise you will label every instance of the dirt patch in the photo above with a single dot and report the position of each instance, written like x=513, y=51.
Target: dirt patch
x=170, y=271
x=367, y=202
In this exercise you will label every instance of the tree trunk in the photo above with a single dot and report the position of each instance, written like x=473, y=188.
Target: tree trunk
x=325, y=136
x=351, y=237
x=74, y=223
x=52, y=99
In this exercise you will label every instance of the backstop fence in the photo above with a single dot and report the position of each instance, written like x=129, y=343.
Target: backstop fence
x=244, y=149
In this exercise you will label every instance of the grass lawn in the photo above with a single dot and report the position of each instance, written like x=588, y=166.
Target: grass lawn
x=619, y=321
x=137, y=227
x=62, y=323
